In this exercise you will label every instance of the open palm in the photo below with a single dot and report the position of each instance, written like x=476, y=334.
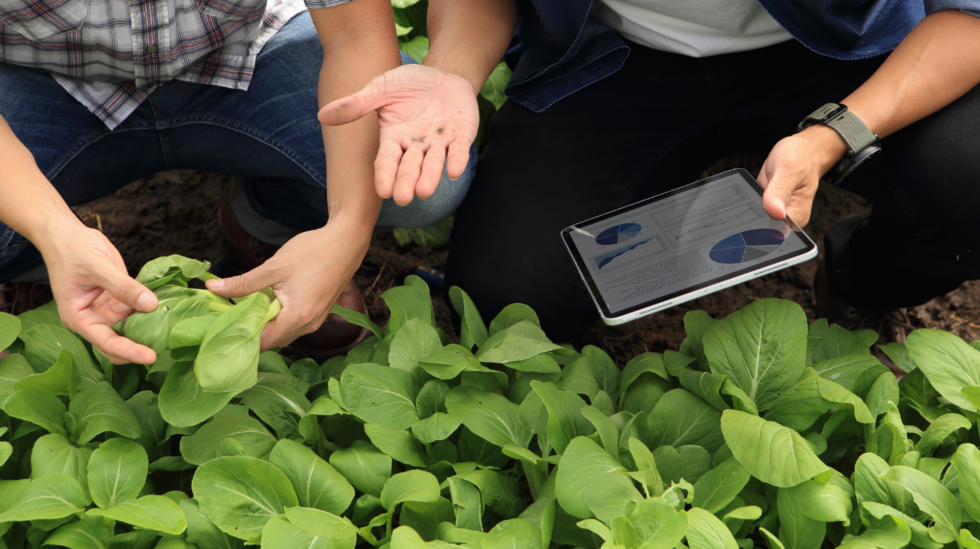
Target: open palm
x=429, y=119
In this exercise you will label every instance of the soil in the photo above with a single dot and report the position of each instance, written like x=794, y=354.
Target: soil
x=175, y=212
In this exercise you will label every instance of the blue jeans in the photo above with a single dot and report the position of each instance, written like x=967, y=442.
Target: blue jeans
x=269, y=135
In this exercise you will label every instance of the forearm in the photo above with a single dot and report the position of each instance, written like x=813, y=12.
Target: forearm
x=932, y=67
x=31, y=205
x=356, y=49
x=468, y=37
x=350, y=149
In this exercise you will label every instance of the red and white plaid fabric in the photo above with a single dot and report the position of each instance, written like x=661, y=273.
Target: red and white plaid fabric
x=110, y=54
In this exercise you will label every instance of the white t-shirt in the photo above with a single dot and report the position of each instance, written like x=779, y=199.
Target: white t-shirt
x=696, y=28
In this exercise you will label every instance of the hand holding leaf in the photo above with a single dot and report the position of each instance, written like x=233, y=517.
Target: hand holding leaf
x=93, y=290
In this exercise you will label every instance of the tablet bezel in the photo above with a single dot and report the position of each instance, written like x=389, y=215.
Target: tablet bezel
x=809, y=247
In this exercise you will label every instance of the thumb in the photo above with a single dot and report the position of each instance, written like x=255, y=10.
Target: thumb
x=775, y=200
x=131, y=293
x=241, y=285
x=348, y=109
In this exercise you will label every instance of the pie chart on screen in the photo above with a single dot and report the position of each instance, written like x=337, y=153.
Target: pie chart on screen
x=618, y=234
x=746, y=246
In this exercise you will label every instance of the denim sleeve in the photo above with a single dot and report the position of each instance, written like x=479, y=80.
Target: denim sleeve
x=317, y=4
x=966, y=6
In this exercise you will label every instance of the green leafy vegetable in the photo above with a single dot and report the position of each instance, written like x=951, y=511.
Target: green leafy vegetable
x=761, y=348
x=770, y=452
x=506, y=439
x=240, y=494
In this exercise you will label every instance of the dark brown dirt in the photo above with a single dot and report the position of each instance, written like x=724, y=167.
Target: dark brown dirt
x=175, y=212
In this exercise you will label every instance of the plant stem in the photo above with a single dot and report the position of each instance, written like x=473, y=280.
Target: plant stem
x=216, y=307
x=214, y=297
x=535, y=478
x=368, y=536
x=274, y=309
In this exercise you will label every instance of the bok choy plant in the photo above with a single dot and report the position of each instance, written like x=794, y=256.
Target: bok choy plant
x=759, y=431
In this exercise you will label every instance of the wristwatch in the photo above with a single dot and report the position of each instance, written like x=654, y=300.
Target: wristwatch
x=861, y=143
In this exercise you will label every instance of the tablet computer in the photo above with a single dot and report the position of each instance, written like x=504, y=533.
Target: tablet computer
x=681, y=245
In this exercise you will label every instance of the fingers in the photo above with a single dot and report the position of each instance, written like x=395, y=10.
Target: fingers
x=788, y=196
x=432, y=168
x=350, y=108
x=778, y=191
x=115, y=347
x=115, y=359
x=800, y=208
x=257, y=279
x=110, y=309
x=282, y=331
x=128, y=291
x=763, y=178
x=275, y=333
x=775, y=201
x=459, y=157
x=386, y=167
x=408, y=175
x=291, y=323
x=92, y=324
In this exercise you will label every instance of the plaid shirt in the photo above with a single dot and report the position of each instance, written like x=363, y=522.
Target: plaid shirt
x=111, y=54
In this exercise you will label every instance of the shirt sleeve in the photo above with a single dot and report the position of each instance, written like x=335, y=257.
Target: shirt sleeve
x=971, y=7
x=318, y=4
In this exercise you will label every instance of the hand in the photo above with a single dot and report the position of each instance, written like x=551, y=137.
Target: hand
x=307, y=275
x=93, y=290
x=423, y=113
x=791, y=173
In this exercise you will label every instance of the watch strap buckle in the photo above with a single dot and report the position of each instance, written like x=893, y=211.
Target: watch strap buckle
x=823, y=115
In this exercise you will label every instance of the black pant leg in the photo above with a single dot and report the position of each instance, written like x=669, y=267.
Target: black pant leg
x=587, y=154
x=921, y=239
x=653, y=125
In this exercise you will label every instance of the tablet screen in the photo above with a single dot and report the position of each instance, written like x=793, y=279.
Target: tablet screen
x=681, y=241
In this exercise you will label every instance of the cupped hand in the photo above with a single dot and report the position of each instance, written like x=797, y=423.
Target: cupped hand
x=307, y=275
x=93, y=291
x=790, y=177
x=427, y=116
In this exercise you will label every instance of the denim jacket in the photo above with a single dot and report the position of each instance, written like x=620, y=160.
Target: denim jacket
x=562, y=49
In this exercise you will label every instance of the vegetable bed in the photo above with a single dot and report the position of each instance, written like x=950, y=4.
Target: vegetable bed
x=760, y=431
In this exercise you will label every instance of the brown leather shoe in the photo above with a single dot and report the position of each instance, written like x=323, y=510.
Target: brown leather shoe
x=335, y=336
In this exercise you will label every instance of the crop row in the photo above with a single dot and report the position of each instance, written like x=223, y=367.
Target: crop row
x=760, y=431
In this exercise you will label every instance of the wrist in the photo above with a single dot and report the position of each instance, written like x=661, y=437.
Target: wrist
x=463, y=71
x=826, y=146
x=52, y=228
x=353, y=230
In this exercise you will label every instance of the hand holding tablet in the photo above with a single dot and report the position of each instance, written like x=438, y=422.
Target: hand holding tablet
x=681, y=245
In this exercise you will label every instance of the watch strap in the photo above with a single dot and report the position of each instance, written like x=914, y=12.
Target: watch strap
x=821, y=116
x=862, y=144
x=850, y=128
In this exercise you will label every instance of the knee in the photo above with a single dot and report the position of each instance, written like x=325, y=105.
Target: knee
x=421, y=213
x=933, y=162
